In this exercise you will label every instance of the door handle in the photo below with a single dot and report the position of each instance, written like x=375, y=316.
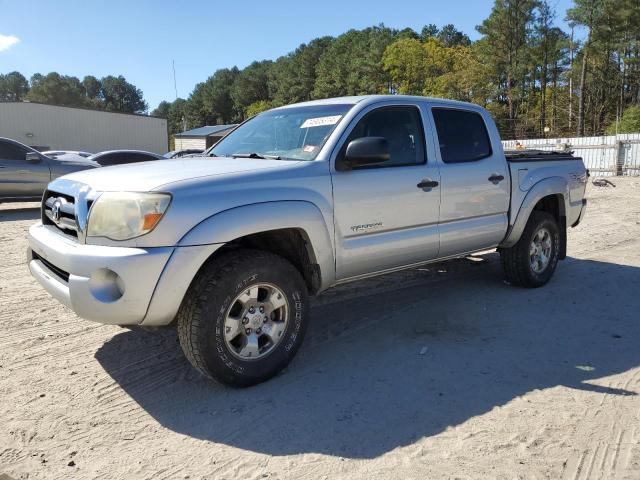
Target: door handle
x=495, y=179
x=427, y=183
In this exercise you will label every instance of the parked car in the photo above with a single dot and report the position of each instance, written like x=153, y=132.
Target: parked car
x=120, y=157
x=57, y=153
x=182, y=153
x=298, y=199
x=25, y=172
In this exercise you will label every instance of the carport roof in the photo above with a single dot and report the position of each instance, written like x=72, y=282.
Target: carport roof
x=205, y=131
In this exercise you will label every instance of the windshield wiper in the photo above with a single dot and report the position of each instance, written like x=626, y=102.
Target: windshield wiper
x=256, y=155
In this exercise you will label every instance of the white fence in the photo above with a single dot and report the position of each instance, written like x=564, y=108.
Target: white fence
x=603, y=156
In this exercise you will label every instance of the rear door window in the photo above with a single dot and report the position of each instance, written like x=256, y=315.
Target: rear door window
x=120, y=158
x=107, y=159
x=144, y=157
x=462, y=135
x=9, y=151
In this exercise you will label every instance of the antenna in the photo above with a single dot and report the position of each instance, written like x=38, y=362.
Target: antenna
x=175, y=85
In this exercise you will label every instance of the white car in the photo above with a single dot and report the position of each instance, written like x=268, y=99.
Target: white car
x=57, y=153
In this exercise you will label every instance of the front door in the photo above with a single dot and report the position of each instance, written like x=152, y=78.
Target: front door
x=19, y=178
x=383, y=219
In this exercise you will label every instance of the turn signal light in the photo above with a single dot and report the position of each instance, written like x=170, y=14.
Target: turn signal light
x=150, y=220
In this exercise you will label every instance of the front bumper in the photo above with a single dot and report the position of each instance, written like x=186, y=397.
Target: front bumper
x=112, y=285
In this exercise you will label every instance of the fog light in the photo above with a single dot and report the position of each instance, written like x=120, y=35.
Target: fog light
x=106, y=285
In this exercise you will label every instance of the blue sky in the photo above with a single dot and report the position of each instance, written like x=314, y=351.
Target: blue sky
x=139, y=39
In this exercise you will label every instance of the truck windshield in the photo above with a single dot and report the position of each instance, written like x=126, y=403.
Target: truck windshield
x=296, y=133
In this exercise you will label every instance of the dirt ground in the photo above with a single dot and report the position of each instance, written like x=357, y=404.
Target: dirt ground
x=438, y=372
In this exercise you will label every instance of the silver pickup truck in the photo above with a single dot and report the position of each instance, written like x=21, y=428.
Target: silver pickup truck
x=229, y=247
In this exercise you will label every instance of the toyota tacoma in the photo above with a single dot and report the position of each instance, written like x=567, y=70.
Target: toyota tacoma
x=228, y=247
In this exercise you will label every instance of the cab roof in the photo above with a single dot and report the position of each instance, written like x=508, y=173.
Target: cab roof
x=352, y=100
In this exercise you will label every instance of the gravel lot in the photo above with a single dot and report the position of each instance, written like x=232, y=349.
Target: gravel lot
x=439, y=372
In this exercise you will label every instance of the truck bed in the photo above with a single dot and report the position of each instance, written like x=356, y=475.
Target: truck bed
x=538, y=155
x=529, y=167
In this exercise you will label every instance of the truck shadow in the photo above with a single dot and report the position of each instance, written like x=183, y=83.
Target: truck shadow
x=391, y=360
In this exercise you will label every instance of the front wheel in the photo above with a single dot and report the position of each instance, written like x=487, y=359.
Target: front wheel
x=244, y=317
x=532, y=261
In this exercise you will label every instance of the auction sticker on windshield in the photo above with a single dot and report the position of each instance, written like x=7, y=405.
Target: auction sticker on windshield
x=321, y=121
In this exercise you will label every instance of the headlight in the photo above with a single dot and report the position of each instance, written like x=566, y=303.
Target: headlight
x=126, y=215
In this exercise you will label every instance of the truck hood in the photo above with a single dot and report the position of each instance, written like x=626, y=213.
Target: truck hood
x=146, y=176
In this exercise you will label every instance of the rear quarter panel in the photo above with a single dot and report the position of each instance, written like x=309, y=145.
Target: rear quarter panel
x=532, y=181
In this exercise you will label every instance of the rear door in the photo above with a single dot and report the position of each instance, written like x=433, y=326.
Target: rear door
x=19, y=178
x=383, y=219
x=475, y=181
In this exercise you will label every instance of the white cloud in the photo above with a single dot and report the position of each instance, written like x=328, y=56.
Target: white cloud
x=7, y=41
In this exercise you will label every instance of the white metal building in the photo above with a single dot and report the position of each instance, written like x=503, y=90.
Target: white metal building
x=201, y=138
x=51, y=127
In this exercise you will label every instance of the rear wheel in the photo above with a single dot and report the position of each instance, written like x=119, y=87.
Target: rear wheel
x=244, y=317
x=532, y=261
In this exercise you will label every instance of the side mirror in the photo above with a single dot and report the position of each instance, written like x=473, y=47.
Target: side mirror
x=33, y=157
x=365, y=151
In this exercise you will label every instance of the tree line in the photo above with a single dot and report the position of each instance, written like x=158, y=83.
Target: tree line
x=107, y=93
x=536, y=78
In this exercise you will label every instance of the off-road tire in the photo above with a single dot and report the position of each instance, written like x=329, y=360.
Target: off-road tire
x=516, y=261
x=202, y=315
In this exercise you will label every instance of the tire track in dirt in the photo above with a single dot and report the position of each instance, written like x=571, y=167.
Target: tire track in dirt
x=610, y=455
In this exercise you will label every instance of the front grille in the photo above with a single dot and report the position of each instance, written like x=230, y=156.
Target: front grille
x=57, y=271
x=59, y=210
